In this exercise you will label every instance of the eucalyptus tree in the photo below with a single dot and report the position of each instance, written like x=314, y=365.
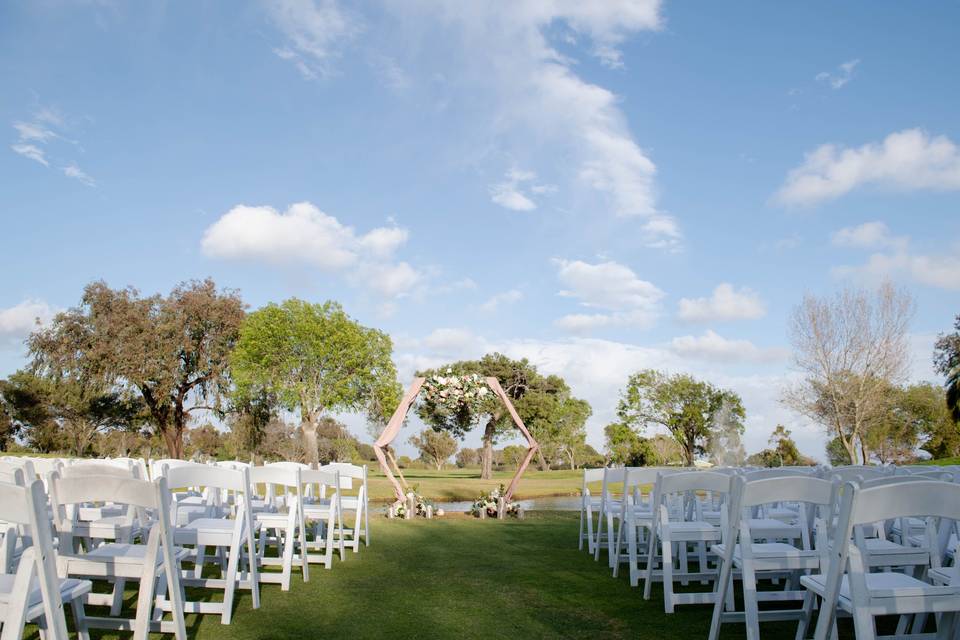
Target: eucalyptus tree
x=947, y=361
x=170, y=350
x=315, y=359
x=686, y=407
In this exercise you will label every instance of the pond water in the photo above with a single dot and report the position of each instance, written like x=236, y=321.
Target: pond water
x=553, y=503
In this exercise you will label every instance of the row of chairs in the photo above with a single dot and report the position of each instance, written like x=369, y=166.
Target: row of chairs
x=867, y=541
x=126, y=520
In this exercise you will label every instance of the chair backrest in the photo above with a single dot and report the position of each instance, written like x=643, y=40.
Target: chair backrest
x=754, y=493
x=26, y=506
x=14, y=474
x=202, y=475
x=280, y=476
x=592, y=475
x=78, y=488
x=888, y=480
x=858, y=473
x=776, y=472
x=94, y=469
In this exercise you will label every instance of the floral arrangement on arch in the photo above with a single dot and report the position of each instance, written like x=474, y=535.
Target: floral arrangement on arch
x=457, y=397
x=488, y=502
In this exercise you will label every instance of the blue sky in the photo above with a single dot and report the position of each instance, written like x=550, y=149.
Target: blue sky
x=600, y=187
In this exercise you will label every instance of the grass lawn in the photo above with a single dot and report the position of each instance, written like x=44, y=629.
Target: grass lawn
x=457, y=577
x=465, y=484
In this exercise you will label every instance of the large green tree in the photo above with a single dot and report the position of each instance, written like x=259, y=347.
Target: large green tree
x=686, y=407
x=171, y=350
x=315, y=359
x=947, y=361
x=435, y=447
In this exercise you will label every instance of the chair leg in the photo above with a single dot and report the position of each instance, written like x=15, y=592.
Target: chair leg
x=667, y=569
x=751, y=609
x=596, y=546
x=145, y=599
x=863, y=624
x=803, y=624
x=653, y=552
x=231, y=582
x=80, y=619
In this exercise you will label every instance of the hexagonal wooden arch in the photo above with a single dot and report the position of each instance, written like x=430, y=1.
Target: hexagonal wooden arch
x=396, y=422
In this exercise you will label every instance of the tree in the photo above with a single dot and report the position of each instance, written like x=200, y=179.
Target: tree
x=947, y=362
x=315, y=359
x=625, y=446
x=783, y=451
x=467, y=457
x=513, y=454
x=665, y=450
x=28, y=412
x=837, y=454
x=555, y=419
x=205, y=440
x=924, y=406
x=851, y=349
x=435, y=447
x=686, y=407
x=171, y=350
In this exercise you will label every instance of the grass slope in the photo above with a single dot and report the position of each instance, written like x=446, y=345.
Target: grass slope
x=465, y=484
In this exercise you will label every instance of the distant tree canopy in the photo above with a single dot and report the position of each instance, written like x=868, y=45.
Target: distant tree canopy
x=947, y=362
x=783, y=452
x=435, y=447
x=314, y=359
x=544, y=403
x=171, y=351
x=686, y=407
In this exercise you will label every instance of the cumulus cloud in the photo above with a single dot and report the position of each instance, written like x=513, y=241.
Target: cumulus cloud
x=610, y=286
x=839, y=77
x=497, y=300
x=18, y=321
x=517, y=189
x=304, y=234
x=314, y=31
x=712, y=346
x=726, y=303
x=907, y=160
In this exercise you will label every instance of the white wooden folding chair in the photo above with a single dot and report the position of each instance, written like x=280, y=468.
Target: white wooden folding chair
x=357, y=503
x=848, y=585
x=155, y=563
x=35, y=592
x=234, y=534
x=685, y=526
x=588, y=506
x=610, y=509
x=284, y=518
x=635, y=520
x=324, y=514
x=771, y=557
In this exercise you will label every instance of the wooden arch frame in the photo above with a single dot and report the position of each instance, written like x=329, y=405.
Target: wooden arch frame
x=396, y=422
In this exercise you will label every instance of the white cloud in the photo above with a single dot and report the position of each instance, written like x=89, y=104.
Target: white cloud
x=75, y=172
x=452, y=342
x=508, y=55
x=606, y=285
x=712, y=346
x=726, y=303
x=510, y=193
x=868, y=235
x=838, y=78
x=18, y=321
x=31, y=151
x=906, y=160
x=507, y=297
x=612, y=287
x=34, y=131
x=306, y=235
x=314, y=31
x=895, y=258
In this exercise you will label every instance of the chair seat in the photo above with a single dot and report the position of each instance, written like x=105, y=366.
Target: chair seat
x=775, y=554
x=119, y=553
x=70, y=588
x=211, y=531
x=773, y=528
x=887, y=584
x=691, y=531
x=945, y=575
x=272, y=517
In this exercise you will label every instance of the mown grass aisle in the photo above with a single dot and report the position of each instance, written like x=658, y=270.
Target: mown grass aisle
x=460, y=578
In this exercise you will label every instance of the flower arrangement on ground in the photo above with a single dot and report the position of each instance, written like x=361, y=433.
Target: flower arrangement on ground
x=488, y=503
x=420, y=505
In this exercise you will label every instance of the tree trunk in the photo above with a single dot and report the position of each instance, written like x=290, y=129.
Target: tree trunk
x=573, y=460
x=542, y=461
x=308, y=431
x=486, y=465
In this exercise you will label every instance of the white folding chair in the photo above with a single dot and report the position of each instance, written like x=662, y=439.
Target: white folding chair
x=324, y=514
x=35, y=592
x=587, y=506
x=610, y=509
x=357, y=503
x=772, y=557
x=848, y=585
x=155, y=564
x=635, y=520
x=284, y=517
x=684, y=526
x=235, y=534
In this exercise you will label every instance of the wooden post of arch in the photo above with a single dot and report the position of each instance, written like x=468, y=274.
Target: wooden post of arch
x=396, y=422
